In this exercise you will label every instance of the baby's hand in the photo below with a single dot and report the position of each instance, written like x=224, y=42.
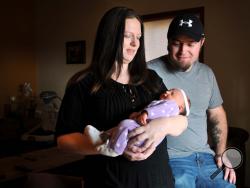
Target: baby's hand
x=134, y=115
x=142, y=118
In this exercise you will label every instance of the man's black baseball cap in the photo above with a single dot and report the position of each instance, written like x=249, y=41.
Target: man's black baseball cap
x=188, y=25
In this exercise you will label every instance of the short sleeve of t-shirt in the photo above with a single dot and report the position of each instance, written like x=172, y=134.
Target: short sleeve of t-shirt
x=216, y=98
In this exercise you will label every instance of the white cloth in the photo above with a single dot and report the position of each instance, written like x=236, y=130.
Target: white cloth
x=94, y=135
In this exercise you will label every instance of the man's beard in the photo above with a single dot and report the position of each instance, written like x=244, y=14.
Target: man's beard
x=179, y=66
x=182, y=67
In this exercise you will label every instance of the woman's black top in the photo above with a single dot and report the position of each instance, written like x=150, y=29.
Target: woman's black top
x=104, y=110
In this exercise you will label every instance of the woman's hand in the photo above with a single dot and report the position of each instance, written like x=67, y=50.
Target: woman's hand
x=155, y=131
x=138, y=156
x=150, y=135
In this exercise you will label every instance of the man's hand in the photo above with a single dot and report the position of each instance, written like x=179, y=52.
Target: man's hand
x=229, y=173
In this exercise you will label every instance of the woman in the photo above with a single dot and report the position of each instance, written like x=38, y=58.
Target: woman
x=116, y=84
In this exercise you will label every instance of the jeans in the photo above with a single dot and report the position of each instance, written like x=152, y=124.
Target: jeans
x=195, y=170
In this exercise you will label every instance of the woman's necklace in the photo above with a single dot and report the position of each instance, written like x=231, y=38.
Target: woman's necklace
x=130, y=91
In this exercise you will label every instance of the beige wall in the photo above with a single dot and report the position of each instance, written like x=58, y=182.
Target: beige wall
x=227, y=31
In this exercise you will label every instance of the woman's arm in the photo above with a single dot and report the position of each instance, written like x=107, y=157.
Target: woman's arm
x=173, y=126
x=153, y=133
x=160, y=127
x=76, y=142
x=92, y=142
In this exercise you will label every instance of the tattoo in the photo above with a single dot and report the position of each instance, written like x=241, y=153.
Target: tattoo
x=214, y=133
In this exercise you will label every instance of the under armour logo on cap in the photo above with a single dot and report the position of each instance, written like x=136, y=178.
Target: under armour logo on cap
x=189, y=23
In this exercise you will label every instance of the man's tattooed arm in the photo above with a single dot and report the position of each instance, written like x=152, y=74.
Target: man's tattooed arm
x=217, y=127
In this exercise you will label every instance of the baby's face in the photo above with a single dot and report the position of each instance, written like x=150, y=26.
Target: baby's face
x=173, y=94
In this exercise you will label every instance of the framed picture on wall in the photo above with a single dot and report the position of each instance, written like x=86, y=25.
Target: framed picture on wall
x=76, y=52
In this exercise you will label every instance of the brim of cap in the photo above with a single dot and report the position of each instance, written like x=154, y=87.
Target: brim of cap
x=194, y=36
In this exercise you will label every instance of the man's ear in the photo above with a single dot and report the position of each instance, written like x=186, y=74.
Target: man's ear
x=202, y=41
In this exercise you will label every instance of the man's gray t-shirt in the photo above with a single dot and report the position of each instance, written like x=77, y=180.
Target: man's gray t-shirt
x=201, y=87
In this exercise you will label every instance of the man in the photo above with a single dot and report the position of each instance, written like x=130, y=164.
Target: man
x=191, y=159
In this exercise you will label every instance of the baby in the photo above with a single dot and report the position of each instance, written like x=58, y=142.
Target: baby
x=171, y=103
